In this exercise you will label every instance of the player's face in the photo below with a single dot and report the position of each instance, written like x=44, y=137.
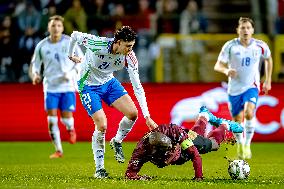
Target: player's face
x=245, y=30
x=125, y=47
x=55, y=28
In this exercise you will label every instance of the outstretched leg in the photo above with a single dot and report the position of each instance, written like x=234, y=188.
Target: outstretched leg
x=204, y=117
x=218, y=134
x=213, y=120
x=200, y=125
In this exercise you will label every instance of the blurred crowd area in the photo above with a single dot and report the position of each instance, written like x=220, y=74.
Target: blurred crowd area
x=23, y=23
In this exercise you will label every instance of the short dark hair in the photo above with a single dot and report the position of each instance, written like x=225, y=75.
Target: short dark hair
x=246, y=19
x=125, y=33
x=56, y=17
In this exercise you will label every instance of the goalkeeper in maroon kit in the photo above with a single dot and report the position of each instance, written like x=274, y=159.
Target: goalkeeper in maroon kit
x=169, y=144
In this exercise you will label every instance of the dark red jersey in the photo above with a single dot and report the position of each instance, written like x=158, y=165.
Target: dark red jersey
x=144, y=152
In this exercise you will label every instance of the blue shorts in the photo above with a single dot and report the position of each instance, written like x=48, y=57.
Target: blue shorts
x=62, y=101
x=237, y=102
x=92, y=96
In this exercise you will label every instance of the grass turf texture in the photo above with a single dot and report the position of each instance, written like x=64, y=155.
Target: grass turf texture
x=27, y=165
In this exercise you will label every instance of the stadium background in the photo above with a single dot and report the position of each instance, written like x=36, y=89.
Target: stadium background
x=173, y=66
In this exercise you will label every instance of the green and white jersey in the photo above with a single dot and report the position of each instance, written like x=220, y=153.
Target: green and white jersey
x=246, y=61
x=54, y=57
x=99, y=64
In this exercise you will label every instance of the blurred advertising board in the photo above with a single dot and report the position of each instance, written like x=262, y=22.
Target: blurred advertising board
x=23, y=117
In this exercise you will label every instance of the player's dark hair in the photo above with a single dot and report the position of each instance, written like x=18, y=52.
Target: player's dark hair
x=125, y=33
x=56, y=17
x=246, y=19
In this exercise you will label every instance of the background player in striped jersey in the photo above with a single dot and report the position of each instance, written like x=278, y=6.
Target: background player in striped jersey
x=59, y=81
x=240, y=59
x=103, y=56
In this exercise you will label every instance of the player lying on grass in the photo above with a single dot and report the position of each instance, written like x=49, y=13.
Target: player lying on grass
x=169, y=144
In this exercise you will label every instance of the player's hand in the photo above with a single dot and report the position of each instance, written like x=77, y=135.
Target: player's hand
x=150, y=123
x=231, y=73
x=36, y=79
x=197, y=178
x=266, y=87
x=145, y=177
x=139, y=177
x=75, y=59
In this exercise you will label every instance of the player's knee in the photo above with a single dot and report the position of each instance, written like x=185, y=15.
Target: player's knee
x=238, y=119
x=133, y=116
x=249, y=114
x=52, y=121
x=100, y=123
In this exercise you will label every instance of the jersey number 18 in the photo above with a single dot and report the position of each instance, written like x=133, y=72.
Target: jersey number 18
x=246, y=61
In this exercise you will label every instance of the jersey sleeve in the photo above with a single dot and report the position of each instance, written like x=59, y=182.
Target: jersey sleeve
x=266, y=51
x=78, y=52
x=225, y=53
x=72, y=44
x=36, y=59
x=132, y=68
x=138, y=158
x=91, y=42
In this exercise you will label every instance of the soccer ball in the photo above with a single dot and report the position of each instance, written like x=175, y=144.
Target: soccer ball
x=239, y=169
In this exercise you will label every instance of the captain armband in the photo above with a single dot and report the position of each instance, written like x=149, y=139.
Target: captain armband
x=186, y=144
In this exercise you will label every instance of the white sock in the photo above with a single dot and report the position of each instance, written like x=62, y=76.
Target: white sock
x=249, y=130
x=125, y=126
x=239, y=138
x=68, y=122
x=54, y=132
x=98, y=146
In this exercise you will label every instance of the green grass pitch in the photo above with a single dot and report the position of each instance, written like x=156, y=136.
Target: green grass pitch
x=27, y=165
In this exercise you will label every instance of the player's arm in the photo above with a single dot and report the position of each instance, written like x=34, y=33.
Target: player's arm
x=138, y=158
x=36, y=63
x=223, y=68
x=223, y=59
x=82, y=39
x=77, y=53
x=91, y=42
x=74, y=40
x=268, y=74
x=75, y=69
x=188, y=146
x=138, y=89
